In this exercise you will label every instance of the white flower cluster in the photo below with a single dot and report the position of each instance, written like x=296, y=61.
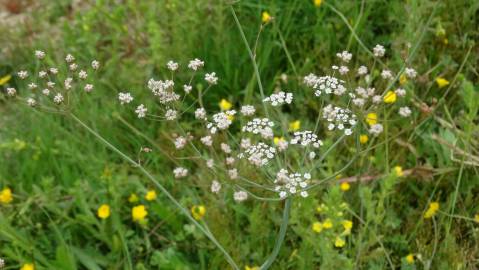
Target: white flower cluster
x=379, y=50
x=221, y=121
x=196, y=64
x=404, y=111
x=180, y=142
x=164, y=90
x=11, y=91
x=247, y=110
x=58, y=99
x=306, y=138
x=376, y=129
x=211, y=78
x=2, y=263
x=325, y=84
x=339, y=118
x=180, y=172
x=291, y=184
x=141, y=111
x=260, y=126
x=125, y=98
x=361, y=95
x=410, y=73
x=345, y=56
x=200, y=114
x=279, y=98
x=215, y=187
x=240, y=196
x=259, y=154
x=172, y=65
x=171, y=114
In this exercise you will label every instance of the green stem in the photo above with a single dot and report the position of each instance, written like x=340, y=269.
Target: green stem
x=280, y=237
x=162, y=189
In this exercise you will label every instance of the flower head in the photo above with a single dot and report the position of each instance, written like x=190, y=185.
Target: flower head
x=317, y=227
x=28, y=266
x=225, y=105
x=410, y=258
x=139, y=213
x=5, y=79
x=150, y=195
x=441, y=82
x=398, y=171
x=317, y=3
x=6, y=195
x=390, y=97
x=103, y=211
x=432, y=210
x=198, y=211
x=344, y=186
x=371, y=119
x=363, y=139
x=133, y=198
x=295, y=125
x=265, y=17
x=339, y=242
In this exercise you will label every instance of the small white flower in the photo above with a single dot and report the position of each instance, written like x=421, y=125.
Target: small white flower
x=400, y=92
x=230, y=160
x=379, y=50
x=180, y=142
x=345, y=56
x=376, y=129
x=215, y=187
x=211, y=78
x=73, y=67
x=386, y=74
x=187, y=88
x=377, y=99
x=200, y=114
x=141, y=111
x=69, y=58
x=210, y=163
x=2, y=263
x=240, y=196
x=31, y=102
x=196, y=64
x=225, y=148
x=50, y=84
x=404, y=111
x=279, y=98
x=245, y=143
x=88, y=88
x=54, y=71
x=58, y=98
x=82, y=74
x=125, y=98
x=39, y=54
x=362, y=70
x=32, y=86
x=207, y=140
x=312, y=155
x=172, y=65
x=42, y=74
x=95, y=64
x=233, y=174
x=22, y=74
x=248, y=110
x=11, y=91
x=411, y=73
x=170, y=114
x=343, y=70
x=68, y=83
x=180, y=172
x=46, y=92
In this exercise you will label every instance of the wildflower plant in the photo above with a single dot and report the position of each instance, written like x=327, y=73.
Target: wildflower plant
x=248, y=151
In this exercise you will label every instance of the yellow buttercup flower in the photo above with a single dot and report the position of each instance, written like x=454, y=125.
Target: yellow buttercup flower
x=339, y=242
x=295, y=125
x=5, y=79
x=225, y=105
x=372, y=119
x=6, y=196
x=317, y=3
x=398, y=171
x=363, y=139
x=133, y=198
x=103, y=211
x=327, y=224
x=317, y=227
x=28, y=266
x=150, y=195
x=344, y=186
x=441, y=82
x=390, y=97
x=138, y=213
x=410, y=258
x=251, y=267
x=198, y=211
x=277, y=140
x=265, y=17
x=402, y=79
x=432, y=210
x=347, y=224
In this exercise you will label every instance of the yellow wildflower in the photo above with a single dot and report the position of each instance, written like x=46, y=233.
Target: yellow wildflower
x=398, y=171
x=198, y=211
x=327, y=224
x=390, y=97
x=28, y=266
x=138, y=213
x=6, y=196
x=5, y=79
x=402, y=79
x=372, y=119
x=476, y=218
x=317, y=3
x=317, y=227
x=150, y=195
x=265, y=17
x=251, y=267
x=277, y=140
x=295, y=125
x=363, y=139
x=103, y=211
x=410, y=258
x=339, y=242
x=433, y=208
x=133, y=198
x=225, y=105
x=344, y=186
x=347, y=224
x=441, y=82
